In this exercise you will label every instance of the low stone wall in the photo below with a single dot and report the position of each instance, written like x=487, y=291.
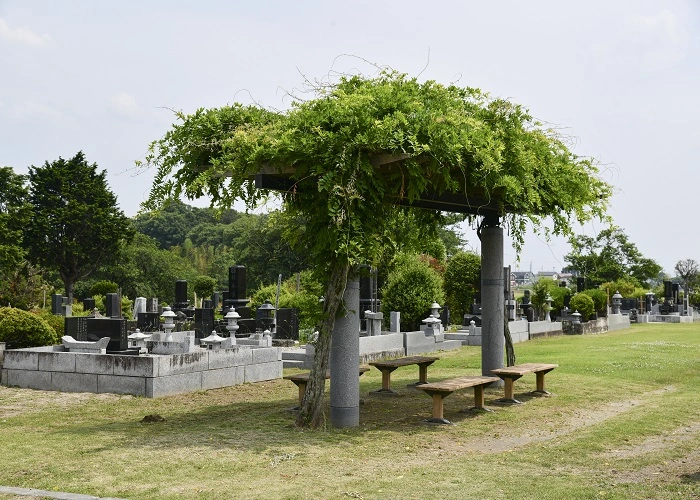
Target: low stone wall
x=618, y=322
x=539, y=329
x=53, y=369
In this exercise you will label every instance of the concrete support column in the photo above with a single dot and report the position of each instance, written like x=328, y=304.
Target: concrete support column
x=344, y=361
x=492, y=300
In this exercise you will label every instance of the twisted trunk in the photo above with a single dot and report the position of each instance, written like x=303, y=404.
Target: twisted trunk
x=311, y=413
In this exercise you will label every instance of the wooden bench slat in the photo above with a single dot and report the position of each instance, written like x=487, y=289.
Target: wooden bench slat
x=406, y=361
x=456, y=384
x=524, y=369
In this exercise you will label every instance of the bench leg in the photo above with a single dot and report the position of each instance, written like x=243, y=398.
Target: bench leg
x=540, y=384
x=509, y=392
x=478, y=400
x=386, y=383
x=422, y=373
x=438, y=409
x=302, y=390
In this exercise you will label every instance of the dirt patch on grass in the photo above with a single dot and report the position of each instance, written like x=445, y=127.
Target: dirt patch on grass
x=657, y=443
x=580, y=420
x=685, y=469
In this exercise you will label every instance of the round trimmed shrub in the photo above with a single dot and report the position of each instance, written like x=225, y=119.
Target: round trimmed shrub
x=412, y=287
x=584, y=304
x=104, y=287
x=20, y=329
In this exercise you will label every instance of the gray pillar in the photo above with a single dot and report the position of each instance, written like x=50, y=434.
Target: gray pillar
x=344, y=361
x=492, y=300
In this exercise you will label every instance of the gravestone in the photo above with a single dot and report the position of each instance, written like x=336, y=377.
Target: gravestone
x=181, y=303
x=236, y=295
x=207, y=304
x=676, y=289
x=580, y=284
x=445, y=316
x=203, y=322
x=76, y=327
x=114, y=328
x=152, y=305
x=287, y=323
x=57, y=304
x=139, y=307
x=148, y=321
x=88, y=304
x=113, y=304
x=668, y=290
x=215, y=300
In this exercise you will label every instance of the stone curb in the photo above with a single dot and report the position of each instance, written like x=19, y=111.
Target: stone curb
x=31, y=492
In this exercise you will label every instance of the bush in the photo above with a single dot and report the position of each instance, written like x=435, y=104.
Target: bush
x=462, y=275
x=412, y=286
x=582, y=303
x=600, y=300
x=20, y=329
x=103, y=288
x=58, y=323
x=625, y=287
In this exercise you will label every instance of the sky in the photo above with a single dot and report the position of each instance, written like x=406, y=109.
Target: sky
x=620, y=78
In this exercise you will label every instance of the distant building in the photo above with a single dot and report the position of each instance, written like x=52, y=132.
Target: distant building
x=558, y=276
x=522, y=278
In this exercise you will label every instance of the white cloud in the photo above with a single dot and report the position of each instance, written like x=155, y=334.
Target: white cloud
x=23, y=36
x=125, y=104
x=662, y=38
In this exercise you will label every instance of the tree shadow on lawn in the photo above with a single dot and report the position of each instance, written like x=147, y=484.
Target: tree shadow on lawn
x=261, y=425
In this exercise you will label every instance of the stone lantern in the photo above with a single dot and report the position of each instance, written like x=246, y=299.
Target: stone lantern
x=432, y=324
x=435, y=310
x=267, y=318
x=548, y=300
x=168, y=323
x=576, y=318
x=137, y=340
x=616, y=303
x=213, y=342
x=232, y=318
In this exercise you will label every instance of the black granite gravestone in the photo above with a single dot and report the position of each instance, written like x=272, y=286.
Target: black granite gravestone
x=148, y=321
x=113, y=328
x=88, y=304
x=57, y=304
x=76, y=327
x=287, y=323
x=113, y=304
x=580, y=284
x=203, y=322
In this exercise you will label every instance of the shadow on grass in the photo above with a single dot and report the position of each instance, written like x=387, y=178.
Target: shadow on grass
x=254, y=425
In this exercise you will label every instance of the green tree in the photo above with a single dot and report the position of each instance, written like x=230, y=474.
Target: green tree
x=583, y=304
x=204, y=286
x=360, y=150
x=610, y=256
x=145, y=270
x=76, y=225
x=411, y=288
x=14, y=214
x=462, y=275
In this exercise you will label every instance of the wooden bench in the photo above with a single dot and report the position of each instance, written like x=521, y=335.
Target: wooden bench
x=512, y=373
x=301, y=379
x=386, y=367
x=440, y=390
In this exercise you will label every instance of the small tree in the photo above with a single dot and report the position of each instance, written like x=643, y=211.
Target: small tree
x=584, y=304
x=412, y=287
x=23, y=329
x=462, y=275
x=687, y=270
x=76, y=225
x=204, y=286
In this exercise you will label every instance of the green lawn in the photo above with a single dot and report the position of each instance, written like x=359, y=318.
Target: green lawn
x=624, y=422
